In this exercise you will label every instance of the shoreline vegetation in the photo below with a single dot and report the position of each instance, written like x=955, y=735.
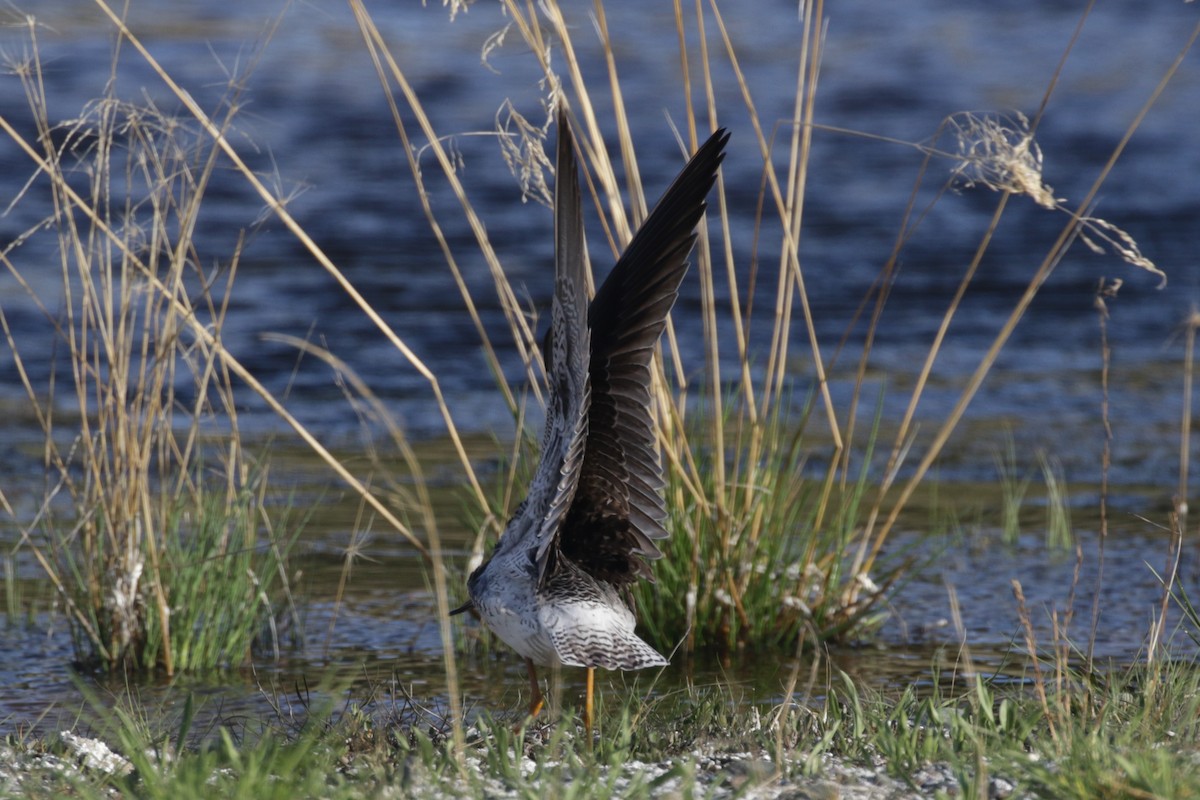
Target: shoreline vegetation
x=169, y=548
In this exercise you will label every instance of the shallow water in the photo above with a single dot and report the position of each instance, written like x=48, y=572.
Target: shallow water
x=316, y=117
x=382, y=641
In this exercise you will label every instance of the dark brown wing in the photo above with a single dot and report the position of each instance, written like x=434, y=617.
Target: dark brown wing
x=552, y=490
x=618, y=511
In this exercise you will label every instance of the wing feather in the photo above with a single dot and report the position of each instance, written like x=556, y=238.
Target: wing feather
x=617, y=511
x=566, y=355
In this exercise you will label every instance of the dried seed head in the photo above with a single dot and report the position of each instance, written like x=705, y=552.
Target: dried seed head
x=1001, y=154
x=523, y=146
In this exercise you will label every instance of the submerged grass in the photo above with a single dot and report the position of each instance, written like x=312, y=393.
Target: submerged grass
x=1014, y=487
x=1054, y=497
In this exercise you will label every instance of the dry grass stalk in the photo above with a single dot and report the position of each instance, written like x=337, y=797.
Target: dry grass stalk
x=420, y=505
x=1105, y=291
x=1191, y=325
x=277, y=207
x=1077, y=225
x=1039, y=681
x=133, y=295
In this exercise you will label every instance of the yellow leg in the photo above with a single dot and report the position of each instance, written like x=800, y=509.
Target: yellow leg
x=536, y=701
x=587, y=705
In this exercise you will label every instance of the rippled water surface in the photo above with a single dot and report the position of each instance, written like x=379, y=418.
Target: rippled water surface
x=315, y=120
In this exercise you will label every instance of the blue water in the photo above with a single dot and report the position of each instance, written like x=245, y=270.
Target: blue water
x=314, y=115
x=313, y=118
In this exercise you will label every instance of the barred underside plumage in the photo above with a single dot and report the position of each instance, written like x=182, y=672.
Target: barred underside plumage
x=590, y=625
x=588, y=526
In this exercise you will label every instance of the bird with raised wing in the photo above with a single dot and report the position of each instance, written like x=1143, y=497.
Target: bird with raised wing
x=554, y=588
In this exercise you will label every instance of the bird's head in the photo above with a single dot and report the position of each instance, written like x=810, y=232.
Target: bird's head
x=473, y=588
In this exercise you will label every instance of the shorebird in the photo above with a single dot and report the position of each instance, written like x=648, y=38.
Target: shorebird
x=555, y=587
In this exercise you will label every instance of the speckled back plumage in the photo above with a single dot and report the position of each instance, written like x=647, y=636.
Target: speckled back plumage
x=552, y=588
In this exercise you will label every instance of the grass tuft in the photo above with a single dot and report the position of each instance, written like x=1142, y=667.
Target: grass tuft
x=763, y=566
x=156, y=529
